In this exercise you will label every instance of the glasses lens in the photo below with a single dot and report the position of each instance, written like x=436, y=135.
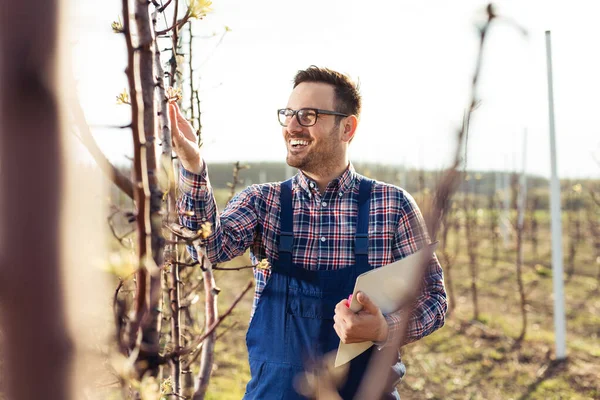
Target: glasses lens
x=307, y=117
x=284, y=116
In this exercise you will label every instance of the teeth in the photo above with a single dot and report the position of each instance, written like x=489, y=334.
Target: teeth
x=295, y=142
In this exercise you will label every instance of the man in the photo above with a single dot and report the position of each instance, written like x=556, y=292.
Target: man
x=319, y=231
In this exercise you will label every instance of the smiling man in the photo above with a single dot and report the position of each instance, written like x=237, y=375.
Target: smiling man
x=319, y=231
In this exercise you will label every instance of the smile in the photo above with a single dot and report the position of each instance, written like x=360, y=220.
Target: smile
x=298, y=143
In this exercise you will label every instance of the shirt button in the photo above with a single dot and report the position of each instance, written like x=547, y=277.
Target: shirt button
x=323, y=239
x=324, y=204
x=340, y=194
x=312, y=185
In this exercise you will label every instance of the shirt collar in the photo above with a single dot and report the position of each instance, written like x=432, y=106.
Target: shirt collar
x=341, y=184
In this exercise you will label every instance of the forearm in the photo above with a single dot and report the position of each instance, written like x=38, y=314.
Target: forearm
x=429, y=309
x=197, y=206
x=428, y=313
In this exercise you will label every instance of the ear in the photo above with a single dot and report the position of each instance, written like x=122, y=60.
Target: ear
x=349, y=128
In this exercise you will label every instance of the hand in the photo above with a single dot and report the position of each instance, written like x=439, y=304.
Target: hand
x=185, y=141
x=368, y=324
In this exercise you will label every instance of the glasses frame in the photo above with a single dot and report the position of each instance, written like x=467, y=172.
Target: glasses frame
x=316, y=110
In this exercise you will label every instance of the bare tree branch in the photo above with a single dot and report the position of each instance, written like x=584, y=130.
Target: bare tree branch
x=207, y=332
x=175, y=41
x=141, y=187
x=164, y=7
x=177, y=24
x=236, y=178
x=208, y=345
x=372, y=386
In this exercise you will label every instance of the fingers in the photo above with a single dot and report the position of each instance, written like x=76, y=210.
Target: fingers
x=342, y=309
x=175, y=132
x=340, y=331
x=367, y=324
x=173, y=117
x=180, y=116
x=367, y=304
x=183, y=124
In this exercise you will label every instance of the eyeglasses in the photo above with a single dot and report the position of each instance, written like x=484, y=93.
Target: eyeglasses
x=305, y=116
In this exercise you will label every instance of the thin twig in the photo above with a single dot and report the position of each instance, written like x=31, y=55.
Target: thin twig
x=185, y=234
x=175, y=45
x=219, y=336
x=177, y=25
x=236, y=179
x=234, y=268
x=217, y=268
x=163, y=7
x=191, y=68
x=189, y=349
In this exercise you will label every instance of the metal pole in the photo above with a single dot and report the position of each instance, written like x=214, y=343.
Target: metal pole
x=556, y=224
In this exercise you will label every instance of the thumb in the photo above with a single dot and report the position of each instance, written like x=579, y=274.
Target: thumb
x=367, y=304
x=178, y=112
x=185, y=129
x=175, y=132
x=173, y=117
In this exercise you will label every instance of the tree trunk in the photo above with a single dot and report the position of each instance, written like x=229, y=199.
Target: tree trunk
x=170, y=250
x=141, y=192
x=533, y=227
x=151, y=324
x=37, y=346
x=520, y=218
x=472, y=245
x=211, y=315
x=493, y=213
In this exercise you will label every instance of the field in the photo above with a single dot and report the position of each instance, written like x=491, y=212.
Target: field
x=480, y=359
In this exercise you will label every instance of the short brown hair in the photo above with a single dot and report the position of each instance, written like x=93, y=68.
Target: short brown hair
x=347, y=96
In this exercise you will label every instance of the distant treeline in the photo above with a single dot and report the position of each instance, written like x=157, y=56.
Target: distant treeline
x=412, y=180
x=479, y=184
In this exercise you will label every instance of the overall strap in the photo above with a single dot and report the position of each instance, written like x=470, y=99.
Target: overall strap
x=361, y=240
x=286, y=237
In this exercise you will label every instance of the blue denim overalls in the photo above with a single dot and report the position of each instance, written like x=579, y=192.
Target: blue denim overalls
x=293, y=321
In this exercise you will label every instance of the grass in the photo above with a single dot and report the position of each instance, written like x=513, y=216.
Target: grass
x=482, y=360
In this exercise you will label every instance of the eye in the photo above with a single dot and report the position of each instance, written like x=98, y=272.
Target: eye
x=307, y=116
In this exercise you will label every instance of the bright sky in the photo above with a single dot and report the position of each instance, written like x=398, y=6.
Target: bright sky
x=414, y=60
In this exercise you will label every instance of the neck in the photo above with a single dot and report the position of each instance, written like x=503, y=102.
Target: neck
x=322, y=178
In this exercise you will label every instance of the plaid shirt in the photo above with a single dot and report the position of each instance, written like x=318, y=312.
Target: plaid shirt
x=324, y=227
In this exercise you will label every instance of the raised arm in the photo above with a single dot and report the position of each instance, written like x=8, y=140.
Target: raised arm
x=233, y=231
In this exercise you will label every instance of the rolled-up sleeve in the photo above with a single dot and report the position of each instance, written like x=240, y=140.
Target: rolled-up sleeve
x=232, y=230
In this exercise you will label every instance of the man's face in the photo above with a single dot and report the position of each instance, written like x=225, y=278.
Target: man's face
x=319, y=147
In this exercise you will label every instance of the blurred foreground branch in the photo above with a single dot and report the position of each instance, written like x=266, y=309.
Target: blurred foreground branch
x=85, y=135
x=373, y=385
x=37, y=346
